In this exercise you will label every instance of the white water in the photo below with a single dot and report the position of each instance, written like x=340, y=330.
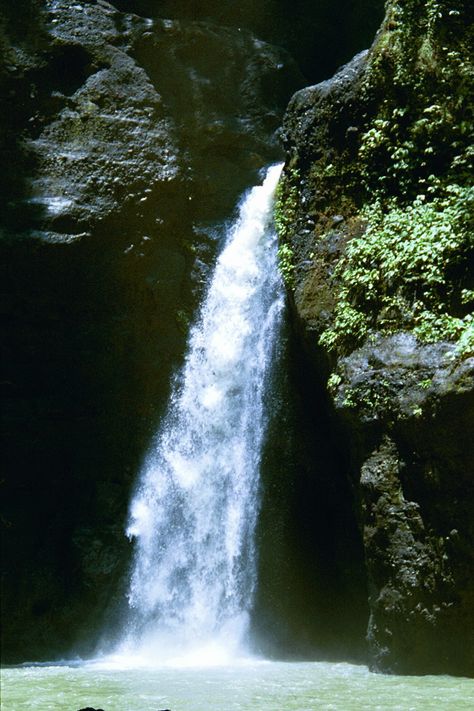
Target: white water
x=194, y=513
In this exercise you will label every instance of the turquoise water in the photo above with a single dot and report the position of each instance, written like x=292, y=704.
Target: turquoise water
x=256, y=686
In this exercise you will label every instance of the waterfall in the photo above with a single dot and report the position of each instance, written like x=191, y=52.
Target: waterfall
x=194, y=512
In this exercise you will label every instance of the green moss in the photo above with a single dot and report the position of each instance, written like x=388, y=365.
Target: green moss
x=183, y=320
x=286, y=203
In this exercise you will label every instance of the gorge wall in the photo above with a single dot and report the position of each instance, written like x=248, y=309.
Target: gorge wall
x=126, y=139
x=376, y=225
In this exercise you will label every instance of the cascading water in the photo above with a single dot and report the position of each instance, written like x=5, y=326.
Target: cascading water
x=193, y=515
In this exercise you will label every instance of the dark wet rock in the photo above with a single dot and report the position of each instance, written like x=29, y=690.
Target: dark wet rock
x=318, y=115
x=398, y=377
x=319, y=35
x=421, y=584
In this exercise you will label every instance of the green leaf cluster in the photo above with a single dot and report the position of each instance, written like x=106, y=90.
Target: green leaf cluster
x=286, y=264
x=284, y=215
x=422, y=65
x=405, y=272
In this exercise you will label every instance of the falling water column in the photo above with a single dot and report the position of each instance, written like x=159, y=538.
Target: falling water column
x=194, y=512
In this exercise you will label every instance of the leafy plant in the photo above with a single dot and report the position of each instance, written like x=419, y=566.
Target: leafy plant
x=286, y=264
x=284, y=215
x=397, y=275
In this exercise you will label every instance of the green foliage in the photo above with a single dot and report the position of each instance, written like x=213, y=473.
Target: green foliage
x=333, y=383
x=286, y=264
x=398, y=164
x=350, y=325
x=286, y=203
x=413, y=117
x=398, y=274
x=284, y=215
x=421, y=75
x=425, y=384
x=465, y=344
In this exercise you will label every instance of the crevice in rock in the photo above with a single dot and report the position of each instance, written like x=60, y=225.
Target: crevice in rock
x=312, y=596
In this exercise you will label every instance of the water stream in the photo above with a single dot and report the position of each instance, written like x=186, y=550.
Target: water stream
x=194, y=512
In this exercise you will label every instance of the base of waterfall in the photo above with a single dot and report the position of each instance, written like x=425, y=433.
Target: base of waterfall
x=250, y=686
x=206, y=656
x=213, y=653
x=156, y=647
x=210, y=655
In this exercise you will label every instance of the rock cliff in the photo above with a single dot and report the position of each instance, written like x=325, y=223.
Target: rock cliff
x=375, y=215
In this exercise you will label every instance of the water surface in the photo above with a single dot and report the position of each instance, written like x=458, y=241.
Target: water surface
x=256, y=686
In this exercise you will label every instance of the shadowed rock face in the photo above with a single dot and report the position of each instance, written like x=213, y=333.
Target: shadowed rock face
x=311, y=600
x=126, y=141
x=319, y=34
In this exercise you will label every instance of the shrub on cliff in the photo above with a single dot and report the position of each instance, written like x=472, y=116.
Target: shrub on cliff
x=389, y=146
x=405, y=271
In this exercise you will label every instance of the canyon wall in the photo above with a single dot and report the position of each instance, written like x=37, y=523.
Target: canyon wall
x=126, y=142
x=128, y=131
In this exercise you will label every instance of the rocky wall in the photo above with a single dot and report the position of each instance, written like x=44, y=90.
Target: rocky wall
x=375, y=216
